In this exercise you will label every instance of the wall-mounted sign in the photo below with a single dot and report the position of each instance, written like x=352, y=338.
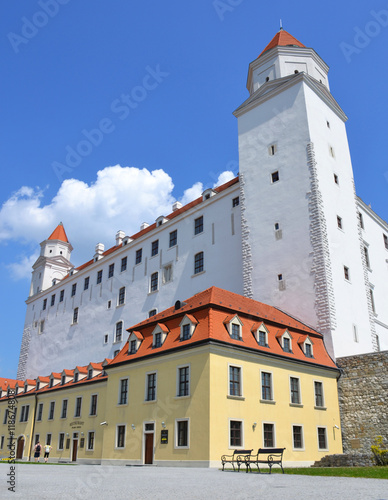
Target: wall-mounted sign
x=77, y=424
x=164, y=436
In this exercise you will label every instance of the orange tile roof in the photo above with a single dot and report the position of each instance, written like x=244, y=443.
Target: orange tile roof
x=59, y=234
x=209, y=308
x=282, y=39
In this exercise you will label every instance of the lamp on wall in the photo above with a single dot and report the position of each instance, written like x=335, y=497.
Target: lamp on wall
x=82, y=433
x=254, y=425
x=163, y=425
x=67, y=434
x=133, y=427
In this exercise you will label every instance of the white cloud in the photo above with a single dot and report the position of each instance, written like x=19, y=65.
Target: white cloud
x=226, y=176
x=120, y=198
x=23, y=268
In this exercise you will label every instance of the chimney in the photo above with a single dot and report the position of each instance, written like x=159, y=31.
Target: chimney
x=99, y=251
x=176, y=206
x=119, y=237
x=144, y=225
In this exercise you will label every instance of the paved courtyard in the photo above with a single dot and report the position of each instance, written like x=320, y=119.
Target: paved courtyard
x=45, y=481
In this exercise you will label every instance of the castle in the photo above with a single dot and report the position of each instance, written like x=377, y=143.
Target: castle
x=289, y=231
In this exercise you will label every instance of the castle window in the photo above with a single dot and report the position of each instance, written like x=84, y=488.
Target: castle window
x=41, y=326
x=372, y=300
x=235, y=433
x=235, y=382
x=63, y=379
x=336, y=179
x=328, y=124
x=331, y=149
x=157, y=339
x=236, y=331
x=73, y=289
x=185, y=335
x=339, y=222
x=297, y=437
x=322, y=439
x=64, y=408
x=93, y=404
x=138, y=257
x=154, y=282
x=266, y=386
x=182, y=433
x=109, y=305
x=151, y=387
x=154, y=248
x=385, y=238
x=119, y=331
x=272, y=149
x=90, y=443
x=75, y=315
x=281, y=282
x=268, y=435
x=173, y=238
x=286, y=345
x=318, y=392
x=52, y=299
x=78, y=405
x=295, y=390
x=183, y=381
x=366, y=254
x=76, y=377
x=86, y=283
x=99, y=277
x=346, y=273
x=198, y=263
x=360, y=220
x=198, y=225
x=236, y=202
x=61, y=295
x=111, y=270
x=51, y=411
x=124, y=264
x=308, y=350
x=152, y=312
x=123, y=392
x=275, y=177
x=120, y=436
x=121, y=296
x=132, y=349
x=44, y=304
x=106, y=338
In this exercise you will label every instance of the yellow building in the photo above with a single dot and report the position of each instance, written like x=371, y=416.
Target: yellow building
x=215, y=373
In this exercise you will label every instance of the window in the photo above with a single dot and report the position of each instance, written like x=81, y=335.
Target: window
x=263, y=338
x=372, y=300
x=90, y=443
x=154, y=282
x=64, y=408
x=63, y=379
x=61, y=295
x=336, y=180
x=111, y=270
x=44, y=304
x=51, y=411
x=151, y=387
x=52, y=300
x=51, y=383
x=339, y=222
x=75, y=315
x=132, y=348
x=86, y=283
x=99, y=276
x=185, y=333
x=297, y=437
x=355, y=333
x=24, y=413
x=138, y=256
x=308, y=350
x=328, y=124
x=295, y=393
x=119, y=331
x=76, y=377
x=236, y=331
x=268, y=435
x=198, y=263
x=167, y=273
x=366, y=253
x=183, y=381
x=173, y=238
x=61, y=440
x=5, y=416
x=234, y=381
x=93, y=405
x=40, y=412
x=275, y=177
x=286, y=344
x=346, y=273
x=360, y=220
x=236, y=202
x=48, y=439
x=123, y=394
x=322, y=440
x=2, y=443
x=78, y=403
x=124, y=261
x=266, y=386
x=109, y=304
x=182, y=433
x=37, y=437
x=272, y=149
x=235, y=433
x=385, y=238
x=198, y=225
x=120, y=436
x=73, y=289
x=154, y=248
x=318, y=391
x=151, y=313
x=121, y=296
x=157, y=339
x=90, y=373
x=331, y=149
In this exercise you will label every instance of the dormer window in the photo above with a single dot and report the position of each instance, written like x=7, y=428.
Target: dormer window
x=286, y=345
x=158, y=339
x=76, y=375
x=134, y=343
x=187, y=325
x=51, y=382
x=132, y=348
x=308, y=350
x=37, y=385
x=90, y=373
x=159, y=335
x=63, y=380
x=234, y=327
x=261, y=334
x=307, y=347
x=208, y=193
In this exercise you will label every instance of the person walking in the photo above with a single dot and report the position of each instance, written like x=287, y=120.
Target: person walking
x=37, y=450
x=47, y=449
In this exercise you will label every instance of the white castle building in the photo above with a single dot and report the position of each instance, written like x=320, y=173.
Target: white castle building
x=289, y=231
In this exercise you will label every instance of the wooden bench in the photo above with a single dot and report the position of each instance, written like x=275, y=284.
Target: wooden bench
x=237, y=458
x=269, y=456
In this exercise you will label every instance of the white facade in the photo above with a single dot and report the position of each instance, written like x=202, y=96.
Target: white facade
x=294, y=241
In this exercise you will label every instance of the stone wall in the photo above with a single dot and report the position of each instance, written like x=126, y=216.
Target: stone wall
x=363, y=399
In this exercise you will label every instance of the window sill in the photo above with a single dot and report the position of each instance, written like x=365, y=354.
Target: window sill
x=153, y=291
x=121, y=405
x=198, y=274
x=296, y=405
x=151, y=401
x=183, y=397
x=322, y=408
x=268, y=401
x=238, y=398
x=117, y=342
x=120, y=305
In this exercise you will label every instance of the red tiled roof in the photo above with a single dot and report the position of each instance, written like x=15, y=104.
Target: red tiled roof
x=209, y=308
x=59, y=234
x=282, y=39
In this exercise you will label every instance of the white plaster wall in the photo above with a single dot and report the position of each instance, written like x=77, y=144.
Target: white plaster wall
x=63, y=345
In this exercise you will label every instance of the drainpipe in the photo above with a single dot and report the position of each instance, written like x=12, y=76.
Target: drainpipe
x=33, y=427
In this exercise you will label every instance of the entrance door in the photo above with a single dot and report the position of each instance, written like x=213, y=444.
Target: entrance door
x=75, y=446
x=20, y=448
x=149, y=448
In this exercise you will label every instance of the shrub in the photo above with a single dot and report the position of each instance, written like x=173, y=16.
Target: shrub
x=380, y=454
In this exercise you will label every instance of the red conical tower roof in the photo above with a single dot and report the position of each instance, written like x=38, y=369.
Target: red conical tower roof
x=282, y=39
x=59, y=234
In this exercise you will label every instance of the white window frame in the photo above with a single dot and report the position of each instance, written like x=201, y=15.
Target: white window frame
x=163, y=336
x=272, y=400
x=131, y=337
x=63, y=442
x=155, y=372
x=120, y=391
x=157, y=284
x=176, y=446
x=90, y=409
x=256, y=332
x=186, y=321
x=287, y=335
x=234, y=321
x=307, y=341
x=323, y=395
x=302, y=448
x=115, y=341
x=241, y=395
x=186, y=365
x=117, y=435
x=274, y=433
x=87, y=442
x=67, y=408
x=75, y=407
x=121, y=304
x=326, y=436
x=299, y=391
x=236, y=447
x=49, y=412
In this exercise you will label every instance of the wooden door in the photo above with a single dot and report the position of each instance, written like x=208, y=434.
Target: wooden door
x=149, y=448
x=20, y=448
x=75, y=445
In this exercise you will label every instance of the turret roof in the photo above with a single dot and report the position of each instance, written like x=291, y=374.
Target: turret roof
x=282, y=39
x=59, y=234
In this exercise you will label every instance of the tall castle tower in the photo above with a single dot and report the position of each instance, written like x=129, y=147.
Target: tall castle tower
x=300, y=223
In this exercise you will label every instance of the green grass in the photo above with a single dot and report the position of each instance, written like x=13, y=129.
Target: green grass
x=371, y=472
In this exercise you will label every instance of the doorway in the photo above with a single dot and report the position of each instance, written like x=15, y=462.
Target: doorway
x=149, y=429
x=20, y=448
x=75, y=447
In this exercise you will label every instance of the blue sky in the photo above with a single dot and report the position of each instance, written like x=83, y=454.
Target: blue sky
x=144, y=92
